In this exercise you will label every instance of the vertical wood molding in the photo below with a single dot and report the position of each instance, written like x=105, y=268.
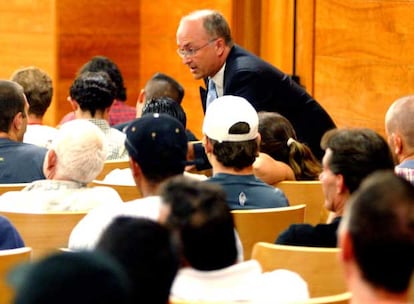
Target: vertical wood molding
x=246, y=24
x=305, y=43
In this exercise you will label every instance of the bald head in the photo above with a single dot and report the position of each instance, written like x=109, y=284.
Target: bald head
x=399, y=120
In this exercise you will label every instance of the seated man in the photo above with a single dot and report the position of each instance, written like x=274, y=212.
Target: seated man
x=157, y=146
x=376, y=236
x=350, y=156
x=198, y=215
x=38, y=88
x=146, y=251
x=231, y=141
x=91, y=97
x=399, y=127
x=19, y=162
x=75, y=158
x=71, y=277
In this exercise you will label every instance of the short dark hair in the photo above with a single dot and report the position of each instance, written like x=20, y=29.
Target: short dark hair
x=101, y=63
x=166, y=105
x=146, y=251
x=38, y=88
x=237, y=155
x=12, y=101
x=93, y=91
x=203, y=221
x=356, y=153
x=161, y=85
x=216, y=26
x=380, y=220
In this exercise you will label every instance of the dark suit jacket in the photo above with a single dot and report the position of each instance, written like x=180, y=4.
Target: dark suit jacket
x=321, y=235
x=269, y=89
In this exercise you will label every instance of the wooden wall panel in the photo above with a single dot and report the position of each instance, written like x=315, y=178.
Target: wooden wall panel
x=86, y=28
x=27, y=37
x=363, y=58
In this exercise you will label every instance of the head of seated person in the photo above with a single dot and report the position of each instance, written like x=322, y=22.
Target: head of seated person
x=278, y=139
x=77, y=154
x=376, y=236
x=92, y=94
x=145, y=249
x=198, y=215
x=71, y=277
x=166, y=105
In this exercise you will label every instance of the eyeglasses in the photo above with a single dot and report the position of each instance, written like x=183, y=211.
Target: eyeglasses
x=184, y=53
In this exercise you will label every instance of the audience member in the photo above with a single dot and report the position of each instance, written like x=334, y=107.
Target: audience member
x=76, y=157
x=91, y=96
x=71, y=277
x=399, y=127
x=206, y=47
x=119, y=111
x=19, y=162
x=350, y=156
x=156, y=105
x=146, y=251
x=157, y=146
x=200, y=218
x=38, y=88
x=290, y=159
x=231, y=141
x=376, y=236
x=9, y=236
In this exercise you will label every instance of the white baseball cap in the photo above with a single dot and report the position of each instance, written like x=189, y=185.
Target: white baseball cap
x=226, y=111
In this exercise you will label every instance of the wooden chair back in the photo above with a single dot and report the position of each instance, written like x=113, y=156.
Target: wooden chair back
x=126, y=192
x=9, y=259
x=341, y=298
x=110, y=165
x=12, y=187
x=319, y=267
x=309, y=193
x=264, y=225
x=44, y=232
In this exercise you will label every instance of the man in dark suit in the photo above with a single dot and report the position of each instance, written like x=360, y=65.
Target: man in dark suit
x=206, y=47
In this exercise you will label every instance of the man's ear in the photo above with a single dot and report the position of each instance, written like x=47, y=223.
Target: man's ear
x=17, y=122
x=140, y=103
x=50, y=164
x=397, y=143
x=345, y=243
x=208, y=147
x=340, y=184
x=135, y=168
x=74, y=104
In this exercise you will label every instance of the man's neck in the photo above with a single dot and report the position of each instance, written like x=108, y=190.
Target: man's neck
x=363, y=293
x=34, y=119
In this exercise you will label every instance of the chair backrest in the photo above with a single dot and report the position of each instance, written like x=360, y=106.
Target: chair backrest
x=341, y=298
x=126, y=192
x=44, y=232
x=319, y=267
x=264, y=225
x=110, y=165
x=309, y=193
x=12, y=187
x=8, y=260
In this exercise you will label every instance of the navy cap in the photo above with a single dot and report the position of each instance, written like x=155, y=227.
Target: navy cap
x=157, y=140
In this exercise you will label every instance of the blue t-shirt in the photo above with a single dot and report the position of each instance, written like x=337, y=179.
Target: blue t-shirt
x=20, y=162
x=9, y=237
x=249, y=192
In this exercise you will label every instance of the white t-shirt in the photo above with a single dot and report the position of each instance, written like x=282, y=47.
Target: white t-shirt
x=39, y=135
x=88, y=231
x=240, y=282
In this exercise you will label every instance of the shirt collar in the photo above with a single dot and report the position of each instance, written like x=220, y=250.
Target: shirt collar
x=219, y=80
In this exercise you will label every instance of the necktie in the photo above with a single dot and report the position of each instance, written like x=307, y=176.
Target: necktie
x=211, y=92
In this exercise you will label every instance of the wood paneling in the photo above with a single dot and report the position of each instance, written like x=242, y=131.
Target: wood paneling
x=27, y=37
x=86, y=28
x=363, y=58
